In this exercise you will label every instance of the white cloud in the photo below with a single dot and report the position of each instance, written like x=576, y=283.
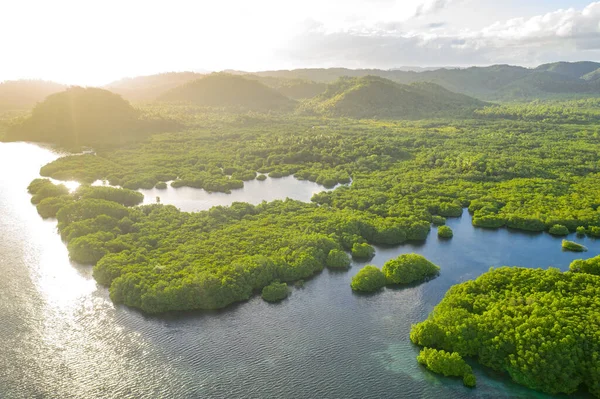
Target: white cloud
x=432, y=6
x=566, y=34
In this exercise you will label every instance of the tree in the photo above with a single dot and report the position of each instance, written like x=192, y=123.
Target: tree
x=362, y=251
x=275, y=292
x=449, y=364
x=337, y=259
x=368, y=279
x=445, y=232
x=409, y=268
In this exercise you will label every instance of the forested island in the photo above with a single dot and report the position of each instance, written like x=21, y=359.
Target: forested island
x=394, y=158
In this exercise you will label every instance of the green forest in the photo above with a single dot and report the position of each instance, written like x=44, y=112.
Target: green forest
x=394, y=159
x=538, y=326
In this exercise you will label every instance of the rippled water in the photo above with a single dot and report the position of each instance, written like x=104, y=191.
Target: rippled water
x=61, y=337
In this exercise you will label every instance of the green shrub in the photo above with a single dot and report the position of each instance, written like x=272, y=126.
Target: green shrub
x=450, y=210
x=261, y=177
x=275, y=292
x=337, y=259
x=469, y=380
x=161, y=185
x=48, y=190
x=588, y=266
x=580, y=231
x=438, y=220
x=527, y=224
x=445, y=232
x=489, y=221
x=362, y=251
x=449, y=364
x=409, y=268
x=593, y=231
x=558, y=230
x=368, y=279
x=48, y=207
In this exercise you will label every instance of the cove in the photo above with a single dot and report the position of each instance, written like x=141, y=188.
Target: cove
x=63, y=337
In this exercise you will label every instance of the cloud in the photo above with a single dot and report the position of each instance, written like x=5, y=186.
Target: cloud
x=565, y=34
x=431, y=7
x=436, y=25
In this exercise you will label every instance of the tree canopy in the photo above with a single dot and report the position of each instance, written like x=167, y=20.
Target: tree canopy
x=539, y=326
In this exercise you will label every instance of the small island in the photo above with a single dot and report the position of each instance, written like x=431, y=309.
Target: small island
x=368, y=279
x=408, y=269
x=573, y=246
x=405, y=269
x=445, y=232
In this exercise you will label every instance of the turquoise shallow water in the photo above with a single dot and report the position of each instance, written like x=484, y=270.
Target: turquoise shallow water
x=63, y=338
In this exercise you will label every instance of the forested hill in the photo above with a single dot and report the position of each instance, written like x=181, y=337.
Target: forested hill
x=296, y=89
x=24, y=94
x=375, y=97
x=84, y=117
x=497, y=82
x=228, y=91
x=148, y=88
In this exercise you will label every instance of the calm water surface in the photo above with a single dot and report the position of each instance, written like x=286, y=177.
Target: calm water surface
x=63, y=338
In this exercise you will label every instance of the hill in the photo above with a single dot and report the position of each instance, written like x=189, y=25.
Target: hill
x=228, y=91
x=83, y=116
x=497, y=82
x=24, y=94
x=375, y=97
x=148, y=88
x=571, y=69
x=592, y=76
x=547, y=84
x=297, y=89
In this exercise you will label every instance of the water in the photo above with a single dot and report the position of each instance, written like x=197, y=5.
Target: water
x=192, y=200
x=63, y=338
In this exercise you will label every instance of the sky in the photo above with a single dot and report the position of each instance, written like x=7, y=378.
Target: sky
x=93, y=42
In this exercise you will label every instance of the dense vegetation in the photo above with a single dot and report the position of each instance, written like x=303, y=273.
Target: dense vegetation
x=539, y=326
x=157, y=258
x=85, y=116
x=405, y=175
x=448, y=364
x=563, y=112
x=368, y=279
x=378, y=98
x=531, y=167
x=228, y=91
x=588, y=266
